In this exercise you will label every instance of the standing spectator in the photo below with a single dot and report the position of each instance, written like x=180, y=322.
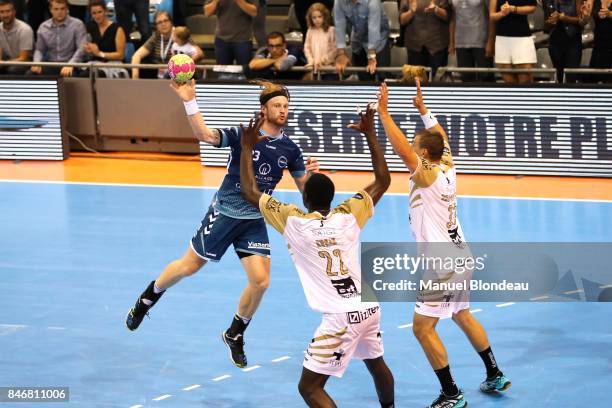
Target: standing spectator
x=234, y=29
x=125, y=9
x=565, y=41
x=602, y=46
x=38, y=11
x=369, y=36
x=426, y=35
x=157, y=49
x=469, y=32
x=259, y=24
x=274, y=61
x=514, y=46
x=301, y=9
x=320, y=44
x=16, y=39
x=59, y=39
x=107, y=40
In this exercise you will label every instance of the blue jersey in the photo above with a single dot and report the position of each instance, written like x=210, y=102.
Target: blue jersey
x=270, y=157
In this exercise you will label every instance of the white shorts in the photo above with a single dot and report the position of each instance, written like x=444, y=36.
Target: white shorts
x=342, y=337
x=515, y=50
x=441, y=310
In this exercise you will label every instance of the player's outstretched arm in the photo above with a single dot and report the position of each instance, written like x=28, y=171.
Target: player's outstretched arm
x=398, y=139
x=187, y=94
x=428, y=119
x=382, y=178
x=248, y=183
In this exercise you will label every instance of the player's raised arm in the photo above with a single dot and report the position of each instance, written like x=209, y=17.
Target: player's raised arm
x=382, y=178
x=398, y=139
x=187, y=94
x=248, y=183
x=429, y=120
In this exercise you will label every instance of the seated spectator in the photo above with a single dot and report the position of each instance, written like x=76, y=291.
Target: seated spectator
x=469, y=34
x=274, y=61
x=16, y=40
x=370, y=43
x=602, y=43
x=234, y=29
x=565, y=28
x=426, y=35
x=157, y=49
x=320, y=44
x=182, y=44
x=106, y=40
x=514, y=46
x=59, y=39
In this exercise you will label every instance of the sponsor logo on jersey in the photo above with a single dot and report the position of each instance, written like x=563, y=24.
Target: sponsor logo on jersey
x=265, y=169
x=358, y=196
x=258, y=245
x=282, y=162
x=271, y=147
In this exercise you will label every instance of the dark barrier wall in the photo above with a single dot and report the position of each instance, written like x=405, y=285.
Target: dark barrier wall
x=498, y=130
x=30, y=126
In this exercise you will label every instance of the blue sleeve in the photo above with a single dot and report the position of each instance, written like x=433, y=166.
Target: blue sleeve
x=340, y=23
x=230, y=137
x=374, y=15
x=296, y=166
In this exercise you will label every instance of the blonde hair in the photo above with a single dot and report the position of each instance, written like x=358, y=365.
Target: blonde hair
x=182, y=33
x=270, y=88
x=320, y=7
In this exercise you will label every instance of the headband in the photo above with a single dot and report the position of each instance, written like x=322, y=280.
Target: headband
x=263, y=99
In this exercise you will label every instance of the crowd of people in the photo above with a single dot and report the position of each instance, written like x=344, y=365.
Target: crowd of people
x=480, y=33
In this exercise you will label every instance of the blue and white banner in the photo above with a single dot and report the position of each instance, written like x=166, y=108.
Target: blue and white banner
x=30, y=121
x=492, y=130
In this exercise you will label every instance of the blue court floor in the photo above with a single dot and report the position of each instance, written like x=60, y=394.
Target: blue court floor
x=74, y=257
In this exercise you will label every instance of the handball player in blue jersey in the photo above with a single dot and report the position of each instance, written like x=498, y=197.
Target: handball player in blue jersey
x=230, y=219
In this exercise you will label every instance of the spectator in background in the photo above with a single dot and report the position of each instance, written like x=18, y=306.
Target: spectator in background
x=157, y=49
x=106, y=40
x=369, y=36
x=182, y=44
x=602, y=43
x=469, y=34
x=301, y=9
x=125, y=9
x=59, y=39
x=565, y=28
x=259, y=24
x=320, y=44
x=514, y=46
x=16, y=39
x=274, y=61
x=38, y=11
x=426, y=35
x=234, y=29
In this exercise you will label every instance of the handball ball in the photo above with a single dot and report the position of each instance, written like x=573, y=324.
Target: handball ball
x=181, y=68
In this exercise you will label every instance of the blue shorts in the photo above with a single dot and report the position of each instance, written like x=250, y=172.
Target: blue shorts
x=217, y=232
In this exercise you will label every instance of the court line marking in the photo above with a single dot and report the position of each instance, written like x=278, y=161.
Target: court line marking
x=278, y=360
x=476, y=310
x=539, y=298
x=571, y=292
x=404, y=326
x=505, y=304
x=14, y=326
x=255, y=367
x=606, y=286
x=192, y=387
x=89, y=183
x=162, y=397
x=55, y=328
x=221, y=377
x=137, y=406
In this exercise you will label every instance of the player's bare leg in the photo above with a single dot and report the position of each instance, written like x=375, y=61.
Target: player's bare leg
x=176, y=270
x=312, y=389
x=383, y=380
x=257, y=269
x=424, y=329
x=495, y=381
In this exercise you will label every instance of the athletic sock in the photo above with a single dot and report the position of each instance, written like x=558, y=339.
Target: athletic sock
x=449, y=387
x=387, y=404
x=490, y=364
x=149, y=297
x=238, y=326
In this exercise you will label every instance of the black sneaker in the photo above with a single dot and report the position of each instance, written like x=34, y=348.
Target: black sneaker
x=140, y=308
x=236, y=348
x=444, y=401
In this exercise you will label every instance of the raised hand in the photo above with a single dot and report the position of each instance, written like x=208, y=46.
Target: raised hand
x=417, y=101
x=250, y=134
x=186, y=91
x=383, y=99
x=366, y=122
x=312, y=165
